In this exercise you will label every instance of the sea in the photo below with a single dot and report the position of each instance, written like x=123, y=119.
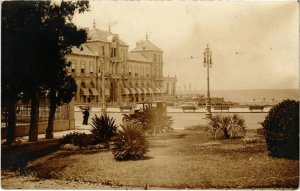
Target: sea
x=248, y=96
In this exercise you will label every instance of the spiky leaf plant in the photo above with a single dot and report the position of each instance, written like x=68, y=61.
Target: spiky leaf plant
x=229, y=125
x=103, y=128
x=129, y=142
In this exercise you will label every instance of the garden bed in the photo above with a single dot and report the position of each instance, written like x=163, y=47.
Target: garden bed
x=182, y=159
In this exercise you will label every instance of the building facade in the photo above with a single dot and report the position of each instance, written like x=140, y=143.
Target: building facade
x=104, y=65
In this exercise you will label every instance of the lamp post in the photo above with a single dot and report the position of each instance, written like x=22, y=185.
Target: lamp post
x=207, y=62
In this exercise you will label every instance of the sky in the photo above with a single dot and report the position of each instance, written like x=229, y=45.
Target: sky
x=255, y=45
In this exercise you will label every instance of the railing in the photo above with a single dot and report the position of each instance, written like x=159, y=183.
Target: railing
x=221, y=107
x=23, y=113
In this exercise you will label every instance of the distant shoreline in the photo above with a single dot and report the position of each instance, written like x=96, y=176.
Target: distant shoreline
x=269, y=96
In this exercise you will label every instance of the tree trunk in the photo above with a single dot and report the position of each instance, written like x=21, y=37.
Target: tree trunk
x=11, y=121
x=51, y=118
x=34, y=117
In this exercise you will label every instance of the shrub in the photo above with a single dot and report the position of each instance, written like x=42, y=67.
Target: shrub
x=281, y=129
x=129, y=142
x=152, y=120
x=74, y=148
x=251, y=140
x=231, y=126
x=78, y=139
x=197, y=127
x=103, y=128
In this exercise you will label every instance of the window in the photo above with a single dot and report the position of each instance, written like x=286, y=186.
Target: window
x=102, y=50
x=130, y=70
x=93, y=84
x=91, y=68
x=73, y=67
x=82, y=66
x=113, y=52
x=136, y=70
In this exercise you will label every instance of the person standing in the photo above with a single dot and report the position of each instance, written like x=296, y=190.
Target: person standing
x=86, y=115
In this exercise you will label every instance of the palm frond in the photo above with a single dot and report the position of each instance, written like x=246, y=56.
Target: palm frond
x=129, y=142
x=103, y=128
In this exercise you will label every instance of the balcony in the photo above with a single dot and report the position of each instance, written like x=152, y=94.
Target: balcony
x=84, y=74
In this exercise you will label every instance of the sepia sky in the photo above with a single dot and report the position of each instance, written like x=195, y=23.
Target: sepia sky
x=255, y=45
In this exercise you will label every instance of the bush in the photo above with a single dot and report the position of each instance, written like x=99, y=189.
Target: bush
x=74, y=148
x=231, y=126
x=251, y=140
x=129, y=142
x=78, y=139
x=103, y=128
x=197, y=127
x=152, y=120
x=281, y=129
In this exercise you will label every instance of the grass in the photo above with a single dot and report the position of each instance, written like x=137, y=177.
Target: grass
x=182, y=159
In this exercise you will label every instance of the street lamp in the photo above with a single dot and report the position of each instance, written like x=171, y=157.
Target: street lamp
x=207, y=62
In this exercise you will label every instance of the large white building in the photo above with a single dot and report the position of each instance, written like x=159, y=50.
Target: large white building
x=129, y=76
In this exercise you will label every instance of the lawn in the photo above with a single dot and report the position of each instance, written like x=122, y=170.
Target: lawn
x=182, y=159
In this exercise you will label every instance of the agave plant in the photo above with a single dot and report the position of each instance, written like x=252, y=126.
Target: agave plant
x=229, y=125
x=103, y=128
x=129, y=142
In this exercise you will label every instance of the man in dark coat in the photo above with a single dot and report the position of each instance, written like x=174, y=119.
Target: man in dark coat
x=86, y=115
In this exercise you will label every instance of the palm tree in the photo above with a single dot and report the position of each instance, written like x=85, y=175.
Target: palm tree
x=129, y=142
x=228, y=125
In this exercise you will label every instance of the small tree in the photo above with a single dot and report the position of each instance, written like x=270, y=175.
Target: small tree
x=61, y=35
x=281, y=129
x=36, y=35
x=22, y=66
x=63, y=92
x=228, y=125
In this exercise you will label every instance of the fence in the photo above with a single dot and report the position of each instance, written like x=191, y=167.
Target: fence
x=23, y=113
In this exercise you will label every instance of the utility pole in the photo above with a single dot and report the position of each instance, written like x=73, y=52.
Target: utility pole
x=207, y=62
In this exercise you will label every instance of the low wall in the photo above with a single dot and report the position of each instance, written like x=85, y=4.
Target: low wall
x=23, y=130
